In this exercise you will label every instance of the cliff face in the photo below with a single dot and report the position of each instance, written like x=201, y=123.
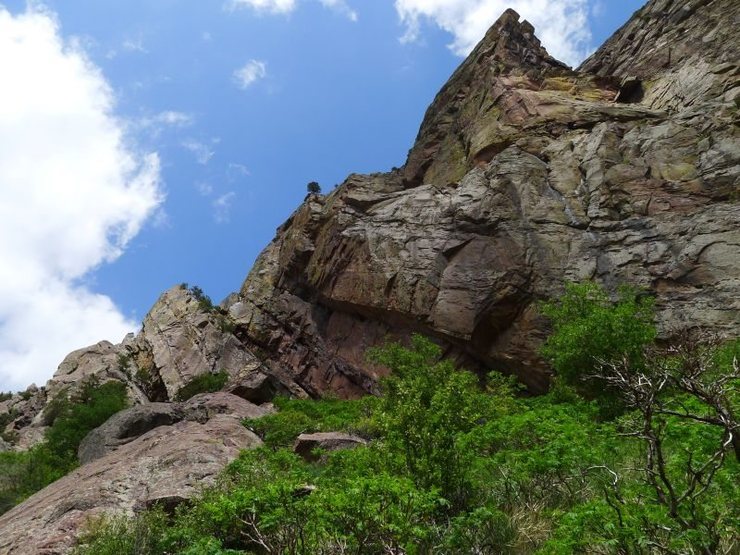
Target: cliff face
x=525, y=175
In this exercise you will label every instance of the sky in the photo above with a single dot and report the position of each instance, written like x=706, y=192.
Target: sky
x=147, y=143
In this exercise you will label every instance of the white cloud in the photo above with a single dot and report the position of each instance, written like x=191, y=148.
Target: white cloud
x=203, y=152
x=155, y=124
x=135, y=44
x=222, y=207
x=270, y=6
x=561, y=25
x=249, y=73
x=287, y=6
x=170, y=117
x=72, y=195
x=342, y=7
x=235, y=171
x=204, y=189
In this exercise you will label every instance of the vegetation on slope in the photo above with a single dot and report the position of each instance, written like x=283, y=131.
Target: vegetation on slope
x=69, y=419
x=460, y=466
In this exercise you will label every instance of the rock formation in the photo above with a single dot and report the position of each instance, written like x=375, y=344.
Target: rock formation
x=164, y=465
x=526, y=174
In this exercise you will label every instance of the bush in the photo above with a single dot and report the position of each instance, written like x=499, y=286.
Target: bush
x=460, y=466
x=4, y=396
x=73, y=418
x=204, y=301
x=205, y=383
x=313, y=188
x=302, y=416
x=427, y=405
x=589, y=329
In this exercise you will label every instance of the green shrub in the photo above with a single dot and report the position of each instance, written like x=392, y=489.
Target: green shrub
x=457, y=466
x=313, y=188
x=204, y=301
x=205, y=383
x=6, y=418
x=427, y=405
x=73, y=418
x=4, y=396
x=302, y=416
x=588, y=329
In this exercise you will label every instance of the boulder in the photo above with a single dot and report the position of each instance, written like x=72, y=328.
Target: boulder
x=326, y=441
x=125, y=427
x=134, y=422
x=167, y=464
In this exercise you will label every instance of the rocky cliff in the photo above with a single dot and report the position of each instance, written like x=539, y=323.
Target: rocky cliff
x=526, y=174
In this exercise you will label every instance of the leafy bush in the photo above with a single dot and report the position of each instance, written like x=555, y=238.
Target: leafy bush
x=4, y=396
x=588, y=329
x=313, y=188
x=301, y=416
x=73, y=418
x=204, y=301
x=6, y=418
x=426, y=406
x=459, y=466
x=205, y=383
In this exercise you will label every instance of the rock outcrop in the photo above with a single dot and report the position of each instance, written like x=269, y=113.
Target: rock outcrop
x=525, y=175
x=165, y=465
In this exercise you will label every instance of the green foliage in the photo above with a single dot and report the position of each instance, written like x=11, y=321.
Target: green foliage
x=426, y=406
x=588, y=328
x=313, y=188
x=301, y=416
x=4, y=396
x=92, y=405
x=461, y=465
x=205, y=383
x=73, y=418
x=204, y=301
x=6, y=418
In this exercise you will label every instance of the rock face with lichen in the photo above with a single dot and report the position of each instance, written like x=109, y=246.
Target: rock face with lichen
x=526, y=174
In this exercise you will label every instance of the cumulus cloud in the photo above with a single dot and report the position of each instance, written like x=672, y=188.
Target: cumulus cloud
x=287, y=6
x=250, y=73
x=561, y=25
x=73, y=193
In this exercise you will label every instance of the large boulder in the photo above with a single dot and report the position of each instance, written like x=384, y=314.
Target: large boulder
x=166, y=465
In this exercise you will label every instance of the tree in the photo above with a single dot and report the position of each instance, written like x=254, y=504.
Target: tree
x=685, y=395
x=313, y=188
x=589, y=328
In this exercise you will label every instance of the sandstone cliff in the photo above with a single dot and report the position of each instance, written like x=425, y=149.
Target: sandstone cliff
x=525, y=174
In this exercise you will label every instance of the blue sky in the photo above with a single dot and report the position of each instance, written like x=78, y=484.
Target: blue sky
x=154, y=142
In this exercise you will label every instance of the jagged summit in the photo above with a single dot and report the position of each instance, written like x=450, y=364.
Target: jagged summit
x=510, y=51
